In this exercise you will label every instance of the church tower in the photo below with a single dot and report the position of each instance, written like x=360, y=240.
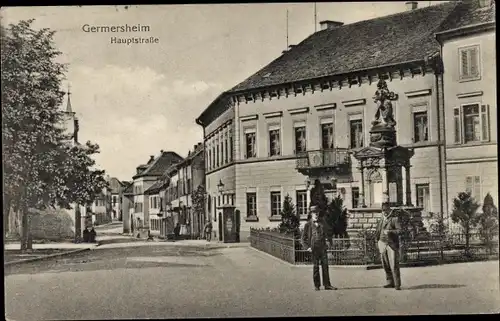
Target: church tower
x=70, y=119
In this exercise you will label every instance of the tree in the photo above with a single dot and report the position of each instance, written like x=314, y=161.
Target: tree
x=290, y=222
x=488, y=221
x=318, y=198
x=199, y=198
x=464, y=212
x=337, y=217
x=41, y=166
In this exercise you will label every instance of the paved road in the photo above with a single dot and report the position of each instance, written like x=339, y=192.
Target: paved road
x=168, y=282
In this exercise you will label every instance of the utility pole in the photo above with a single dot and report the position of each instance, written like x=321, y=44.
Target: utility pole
x=315, y=18
x=287, y=44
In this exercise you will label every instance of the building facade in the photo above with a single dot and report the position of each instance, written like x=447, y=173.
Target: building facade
x=313, y=107
x=145, y=177
x=468, y=51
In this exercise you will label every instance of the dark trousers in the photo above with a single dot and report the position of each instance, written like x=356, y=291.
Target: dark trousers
x=320, y=256
x=208, y=235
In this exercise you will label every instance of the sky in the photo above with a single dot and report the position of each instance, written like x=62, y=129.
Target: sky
x=135, y=100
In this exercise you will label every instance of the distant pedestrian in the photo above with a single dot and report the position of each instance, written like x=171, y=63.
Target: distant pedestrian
x=387, y=235
x=314, y=240
x=177, y=231
x=208, y=231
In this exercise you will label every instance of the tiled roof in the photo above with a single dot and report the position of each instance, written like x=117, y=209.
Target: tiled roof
x=154, y=188
x=129, y=189
x=115, y=185
x=389, y=40
x=468, y=13
x=160, y=164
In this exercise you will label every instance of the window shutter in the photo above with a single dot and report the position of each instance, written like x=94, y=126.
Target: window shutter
x=474, y=62
x=485, y=122
x=477, y=188
x=468, y=184
x=457, y=125
x=464, y=63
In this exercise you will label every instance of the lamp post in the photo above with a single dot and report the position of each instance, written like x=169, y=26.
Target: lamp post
x=220, y=188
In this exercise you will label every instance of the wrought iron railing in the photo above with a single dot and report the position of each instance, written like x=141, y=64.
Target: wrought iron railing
x=323, y=158
x=363, y=250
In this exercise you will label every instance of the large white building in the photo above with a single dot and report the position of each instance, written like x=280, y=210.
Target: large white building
x=312, y=107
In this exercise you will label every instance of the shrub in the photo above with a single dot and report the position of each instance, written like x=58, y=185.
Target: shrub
x=290, y=222
x=464, y=212
x=369, y=245
x=487, y=222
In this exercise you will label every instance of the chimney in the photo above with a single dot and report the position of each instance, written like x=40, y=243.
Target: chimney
x=329, y=24
x=161, y=151
x=194, y=147
x=411, y=5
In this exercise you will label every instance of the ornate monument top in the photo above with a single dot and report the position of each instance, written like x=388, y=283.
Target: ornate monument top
x=384, y=115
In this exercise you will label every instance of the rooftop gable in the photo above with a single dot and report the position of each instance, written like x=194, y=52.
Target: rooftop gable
x=158, y=166
x=467, y=14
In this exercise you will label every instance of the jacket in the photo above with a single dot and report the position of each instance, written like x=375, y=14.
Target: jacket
x=307, y=238
x=393, y=226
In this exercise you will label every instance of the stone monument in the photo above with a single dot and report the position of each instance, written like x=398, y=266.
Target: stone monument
x=391, y=163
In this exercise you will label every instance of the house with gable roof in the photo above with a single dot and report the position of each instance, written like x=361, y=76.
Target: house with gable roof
x=312, y=108
x=467, y=39
x=146, y=175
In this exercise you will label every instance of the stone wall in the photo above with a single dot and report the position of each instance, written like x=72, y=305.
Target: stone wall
x=52, y=224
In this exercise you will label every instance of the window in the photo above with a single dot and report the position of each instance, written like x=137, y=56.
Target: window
x=300, y=139
x=423, y=199
x=250, y=145
x=275, y=203
x=226, y=158
x=221, y=151
x=327, y=136
x=420, y=128
x=217, y=155
x=274, y=142
x=138, y=207
x=356, y=131
x=473, y=186
x=355, y=197
x=469, y=63
x=472, y=123
x=251, y=204
x=301, y=206
x=230, y=147
x=213, y=156
x=115, y=200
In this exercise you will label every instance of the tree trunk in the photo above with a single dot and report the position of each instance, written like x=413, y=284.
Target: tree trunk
x=6, y=216
x=24, y=228
x=467, y=236
x=78, y=223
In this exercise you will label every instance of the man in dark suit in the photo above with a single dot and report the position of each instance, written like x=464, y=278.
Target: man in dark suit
x=387, y=237
x=314, y=240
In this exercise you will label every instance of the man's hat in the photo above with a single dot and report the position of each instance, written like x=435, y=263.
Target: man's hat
x=314, y=208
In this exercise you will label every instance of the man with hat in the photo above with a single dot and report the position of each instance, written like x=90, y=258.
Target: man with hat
x=387, y=237
x=314, y=240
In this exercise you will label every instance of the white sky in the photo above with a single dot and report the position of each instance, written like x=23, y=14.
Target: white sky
x=136, y=100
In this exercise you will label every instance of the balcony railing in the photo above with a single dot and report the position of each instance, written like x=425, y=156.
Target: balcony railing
x=323, y=158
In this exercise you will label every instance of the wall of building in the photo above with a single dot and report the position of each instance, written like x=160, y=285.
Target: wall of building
x=471, y=158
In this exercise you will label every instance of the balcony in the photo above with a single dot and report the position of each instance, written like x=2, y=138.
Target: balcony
x=324, y=160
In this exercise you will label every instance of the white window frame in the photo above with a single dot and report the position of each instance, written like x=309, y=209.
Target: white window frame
x=413, y=113
x=428, y=186
x=254, y=192
x=326, y=121
x=484, y=112
x=476, y=187
x=461, y=75
x=273, y=127
x=353, y=117
x=271, y=193
x=249, y=130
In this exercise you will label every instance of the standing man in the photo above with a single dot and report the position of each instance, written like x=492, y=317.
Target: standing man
x=208, y=231
x=387, y=235
x=314, y=240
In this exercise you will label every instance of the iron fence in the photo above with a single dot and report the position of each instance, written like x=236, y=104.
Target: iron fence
x=363, y=250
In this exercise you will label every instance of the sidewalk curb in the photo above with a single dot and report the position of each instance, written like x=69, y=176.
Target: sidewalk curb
x=43, y=258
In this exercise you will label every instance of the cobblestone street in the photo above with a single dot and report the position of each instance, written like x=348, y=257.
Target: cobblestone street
x=165, y=282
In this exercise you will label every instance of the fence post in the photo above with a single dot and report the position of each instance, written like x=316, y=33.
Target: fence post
x=293, y=249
